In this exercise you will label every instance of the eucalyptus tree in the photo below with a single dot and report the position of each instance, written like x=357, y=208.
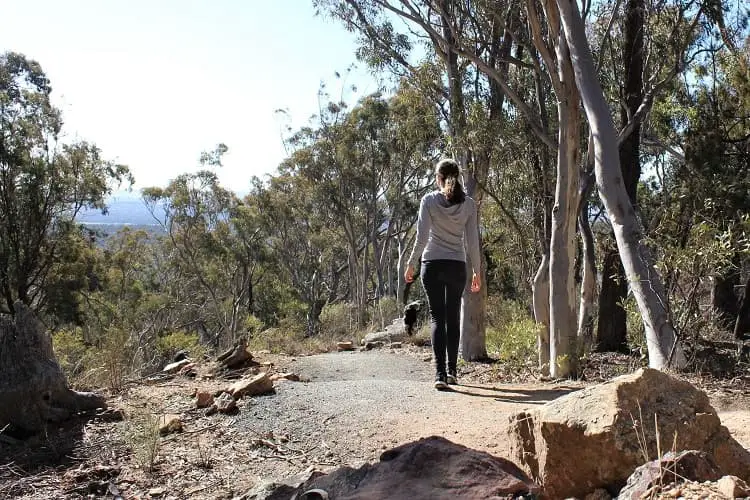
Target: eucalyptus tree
x=43, y=184
x=214, y=244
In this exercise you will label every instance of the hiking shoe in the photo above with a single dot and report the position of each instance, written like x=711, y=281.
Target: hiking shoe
x=441, y=382
x=452, y=378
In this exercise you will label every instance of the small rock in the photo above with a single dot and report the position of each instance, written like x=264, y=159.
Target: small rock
x=396, y=345
x=733, y=487
x=345, y=346
x=188, y=370
x=211, y=410
x=285, y=376
x=174, y=367
x=259, y=384
x=427, y=358
x=156, y=492
x=226, y=403
x=169, y=423
x=374, y=344
x=598, y=494
x=203, y=399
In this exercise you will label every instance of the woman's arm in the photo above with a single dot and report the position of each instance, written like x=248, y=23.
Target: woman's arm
x=423, y=232
x=471, y=239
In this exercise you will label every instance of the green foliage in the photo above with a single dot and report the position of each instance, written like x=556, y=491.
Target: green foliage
x=512, y=332
x=338, y=320
x=170, y=344
x=70, y=351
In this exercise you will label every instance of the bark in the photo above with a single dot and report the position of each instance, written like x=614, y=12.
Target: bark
x=540, y=294
x=663, y=345
x=474, y=305
x=723, y=298
x=588, y=281
x=611, y=334
x=742, y=325
x=612, y=330
x=33, y=389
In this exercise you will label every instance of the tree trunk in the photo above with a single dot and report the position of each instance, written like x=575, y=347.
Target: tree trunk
x=474, y=305
x=742, y=325
x=588, y=280
x=540, y=294
x=723, y=298
x=611, y=333
x=612, y=330
x=33, y=389
x=663, y=346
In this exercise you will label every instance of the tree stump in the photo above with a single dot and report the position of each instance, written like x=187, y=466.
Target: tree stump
x=33, y=389
x=235, y=357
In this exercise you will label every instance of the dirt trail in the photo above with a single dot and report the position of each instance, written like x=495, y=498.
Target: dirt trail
x=356, y=404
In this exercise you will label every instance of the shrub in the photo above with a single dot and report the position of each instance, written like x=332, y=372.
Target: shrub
x=169, y=345
x=512, y=332
x=338, y=320
x=70, y=351
x=384, y=312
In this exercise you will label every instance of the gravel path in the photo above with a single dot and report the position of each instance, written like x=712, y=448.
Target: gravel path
x=353, y=405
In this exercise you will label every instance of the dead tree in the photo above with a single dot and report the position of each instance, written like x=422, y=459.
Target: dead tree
x=33, y=389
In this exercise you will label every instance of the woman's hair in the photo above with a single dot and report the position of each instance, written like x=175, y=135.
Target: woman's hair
x=448, y=173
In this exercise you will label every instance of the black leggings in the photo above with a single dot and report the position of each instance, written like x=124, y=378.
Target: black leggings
x=444, y=282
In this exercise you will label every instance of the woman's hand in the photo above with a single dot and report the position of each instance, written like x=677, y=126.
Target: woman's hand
x=475, y=284
x=409, y=274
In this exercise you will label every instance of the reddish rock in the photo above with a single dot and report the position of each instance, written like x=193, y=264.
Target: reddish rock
x=590, y=439
x=285, y=376
x=433, y=468
x=225, y=403
x=259, y=384
x=672, y=468
x=203, y=399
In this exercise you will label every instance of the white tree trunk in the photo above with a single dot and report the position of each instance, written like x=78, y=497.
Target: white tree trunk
x=562, y=296
x=663, y=346
x=540, y=294
x=588, y=284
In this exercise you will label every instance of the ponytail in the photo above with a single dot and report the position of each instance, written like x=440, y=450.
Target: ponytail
x=448, y=172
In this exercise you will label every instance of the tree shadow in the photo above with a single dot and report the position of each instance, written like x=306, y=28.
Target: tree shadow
x=60, y=448
x=514, y=395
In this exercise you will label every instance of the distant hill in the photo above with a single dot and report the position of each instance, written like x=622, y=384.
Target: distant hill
x=122, y=211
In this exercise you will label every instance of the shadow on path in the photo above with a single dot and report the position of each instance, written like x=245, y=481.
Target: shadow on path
x=513, y=395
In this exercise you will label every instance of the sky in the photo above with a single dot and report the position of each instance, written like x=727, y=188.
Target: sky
x=154, y=83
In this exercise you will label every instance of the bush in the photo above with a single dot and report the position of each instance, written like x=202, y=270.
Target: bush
x=70, y=351
x=169, y=345
x=384, y=312
x=338, y=320
x=511, y=332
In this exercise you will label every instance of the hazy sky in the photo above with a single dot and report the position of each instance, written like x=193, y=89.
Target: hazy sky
x=155, y=82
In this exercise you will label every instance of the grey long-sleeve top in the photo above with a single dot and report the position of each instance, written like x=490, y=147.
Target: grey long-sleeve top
x=446, y=231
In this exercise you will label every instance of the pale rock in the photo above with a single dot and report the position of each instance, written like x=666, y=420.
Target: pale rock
x=225, y=403
x=169, y=423
x=259, y=384
x=285, y=376
x=176, y=366
x=733, y=487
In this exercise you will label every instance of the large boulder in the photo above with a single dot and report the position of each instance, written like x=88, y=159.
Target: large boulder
x=432, y=468
x=596, y=437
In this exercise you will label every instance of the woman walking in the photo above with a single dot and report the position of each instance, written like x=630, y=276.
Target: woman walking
x=446, y=233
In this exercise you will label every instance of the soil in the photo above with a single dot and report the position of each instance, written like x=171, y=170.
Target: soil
x=347, y=408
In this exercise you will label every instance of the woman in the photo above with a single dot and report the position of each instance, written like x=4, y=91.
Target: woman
x=446, y=233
